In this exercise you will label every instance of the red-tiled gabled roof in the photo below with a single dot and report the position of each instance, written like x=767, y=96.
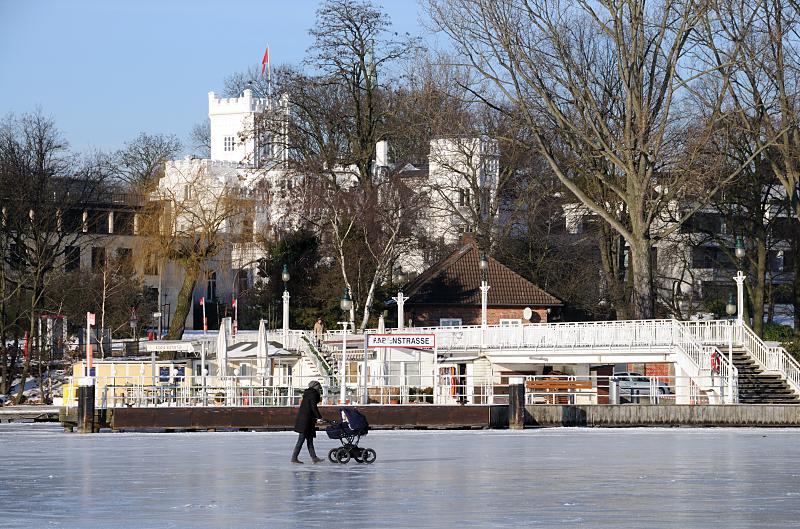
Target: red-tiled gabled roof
x=455, y=280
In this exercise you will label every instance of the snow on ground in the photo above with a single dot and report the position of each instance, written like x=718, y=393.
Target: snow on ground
x=632, y=478
x=56, y=379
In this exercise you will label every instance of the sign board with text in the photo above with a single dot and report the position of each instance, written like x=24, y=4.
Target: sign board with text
x=418, y=341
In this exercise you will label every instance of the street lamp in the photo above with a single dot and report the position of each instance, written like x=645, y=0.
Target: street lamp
x=739, y=278
x=285, y=277
x=484, y=267
x=730, y=308
x=346, y=304
x=400, y=279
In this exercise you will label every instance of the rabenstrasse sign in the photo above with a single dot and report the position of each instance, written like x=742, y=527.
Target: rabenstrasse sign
x=420, y=341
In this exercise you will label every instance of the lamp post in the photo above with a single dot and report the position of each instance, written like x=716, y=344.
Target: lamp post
x=285, y=277
x=400, y=278
x=484, y=266
x=739, y=278
x=730, y=308
x=346, y=304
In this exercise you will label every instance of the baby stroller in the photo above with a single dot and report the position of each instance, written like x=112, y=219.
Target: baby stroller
x=349, y=431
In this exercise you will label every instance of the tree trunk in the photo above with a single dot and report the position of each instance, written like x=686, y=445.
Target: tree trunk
x=796, y=282
x=31, y=328
x=613, y=264
x=641, y=271
x=759, y=288
x=183, y=304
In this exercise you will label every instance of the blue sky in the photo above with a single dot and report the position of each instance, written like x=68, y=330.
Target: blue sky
x=106, y=70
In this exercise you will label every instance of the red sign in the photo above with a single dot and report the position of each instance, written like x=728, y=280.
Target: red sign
x=90, y=318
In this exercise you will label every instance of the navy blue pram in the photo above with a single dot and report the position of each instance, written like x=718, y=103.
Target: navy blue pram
x=349, y=431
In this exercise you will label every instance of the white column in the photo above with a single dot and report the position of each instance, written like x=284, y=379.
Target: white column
x=401, y=317
x=681, y=386
x=729, y=393
x=285, y=318
x=343, y=363
x=365, y=369
x=111, y=222
x=739, y=278
x=484, y=318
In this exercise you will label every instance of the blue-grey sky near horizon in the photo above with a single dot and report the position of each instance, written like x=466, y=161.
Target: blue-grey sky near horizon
x=106, y=70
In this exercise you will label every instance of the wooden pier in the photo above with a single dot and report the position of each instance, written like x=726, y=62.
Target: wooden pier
x=445, y=417
x=29, y=414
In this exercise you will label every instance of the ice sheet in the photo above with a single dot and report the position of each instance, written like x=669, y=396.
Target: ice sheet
x=629, y=478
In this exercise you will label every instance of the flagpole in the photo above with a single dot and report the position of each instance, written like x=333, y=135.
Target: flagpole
x=269, y=76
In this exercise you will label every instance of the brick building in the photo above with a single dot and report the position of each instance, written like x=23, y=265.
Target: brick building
x=448, y=293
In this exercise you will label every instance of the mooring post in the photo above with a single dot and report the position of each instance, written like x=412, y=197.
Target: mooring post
x=516, y=403
x=613, y=390
x=86, y=405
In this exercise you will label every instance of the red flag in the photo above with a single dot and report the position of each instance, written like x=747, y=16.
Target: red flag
x=90, y=319
x=202, y=301
x=233, y=303
x=265, y=61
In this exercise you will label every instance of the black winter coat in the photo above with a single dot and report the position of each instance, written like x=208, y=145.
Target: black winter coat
x=308, y=413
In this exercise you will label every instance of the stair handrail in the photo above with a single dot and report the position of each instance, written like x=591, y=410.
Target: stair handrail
x=722, y=371
x=699, y=355
x=787, y=365
x=321, y=363
x=775, y=359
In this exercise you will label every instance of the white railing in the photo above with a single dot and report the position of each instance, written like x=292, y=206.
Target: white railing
x=446, y=390
x=567, y=335
x=775, y=359
x=697, y=359
x=709, y=332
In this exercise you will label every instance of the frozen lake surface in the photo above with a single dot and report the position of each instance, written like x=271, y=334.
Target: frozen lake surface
x=630, y=478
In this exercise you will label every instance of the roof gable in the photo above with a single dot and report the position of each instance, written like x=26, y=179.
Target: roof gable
x=455, y=280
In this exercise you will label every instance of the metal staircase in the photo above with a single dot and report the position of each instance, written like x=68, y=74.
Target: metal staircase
x=321, y=359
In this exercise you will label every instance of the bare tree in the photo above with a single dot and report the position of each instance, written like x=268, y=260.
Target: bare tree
x=200, y=138
x=338, y=114
x=189, y=223
x=763, y=91
x=595, y=81
x=141, y=163
x=44, y=191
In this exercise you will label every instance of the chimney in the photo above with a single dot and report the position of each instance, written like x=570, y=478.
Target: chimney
x=382, y=154
x=467, y=238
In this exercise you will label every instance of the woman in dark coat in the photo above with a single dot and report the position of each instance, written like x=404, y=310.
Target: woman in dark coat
x=306, y=422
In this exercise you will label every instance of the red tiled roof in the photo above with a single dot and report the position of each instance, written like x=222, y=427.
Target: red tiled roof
x=455, y=280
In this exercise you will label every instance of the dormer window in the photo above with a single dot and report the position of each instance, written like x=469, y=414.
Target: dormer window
x=227, y=143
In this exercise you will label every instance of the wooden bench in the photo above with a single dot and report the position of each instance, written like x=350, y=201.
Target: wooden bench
x=561, y=389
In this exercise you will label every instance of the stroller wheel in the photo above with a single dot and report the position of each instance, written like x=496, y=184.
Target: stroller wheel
x=369, y=456
x=342, y=455
x=357, y=454
x=332, y=455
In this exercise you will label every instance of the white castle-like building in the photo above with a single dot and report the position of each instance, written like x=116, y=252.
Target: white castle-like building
x=460, y=173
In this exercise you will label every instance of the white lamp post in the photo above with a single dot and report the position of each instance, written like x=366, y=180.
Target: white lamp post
x=400, y=278
x=730, y=308
x=346, y=305
x=484, y=266
x=739, y=278
x=285, y=277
